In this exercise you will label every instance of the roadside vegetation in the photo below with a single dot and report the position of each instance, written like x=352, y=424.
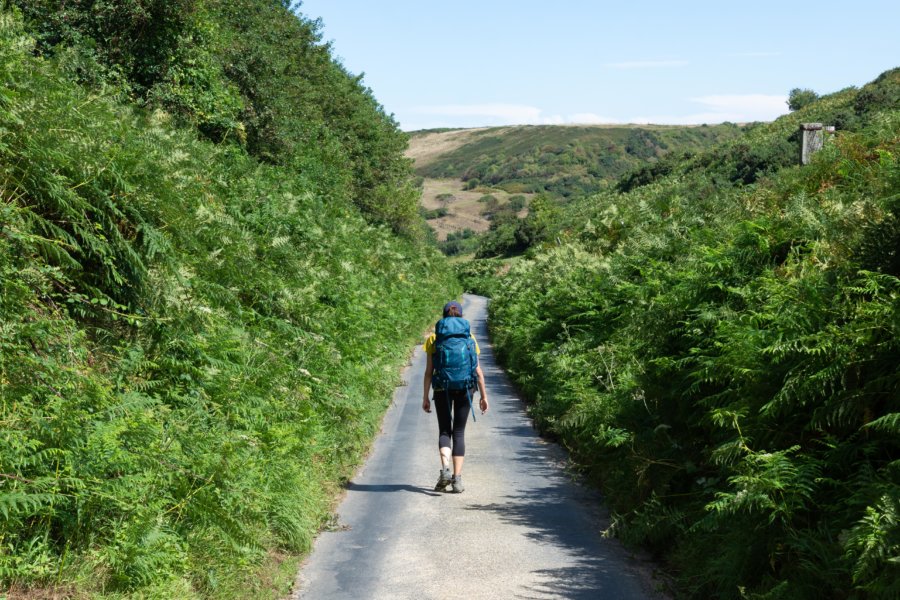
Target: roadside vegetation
x=210, y=276
x=716, y=338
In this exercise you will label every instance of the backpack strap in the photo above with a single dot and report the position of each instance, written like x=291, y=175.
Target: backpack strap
x=440, y=338
x=449, y=408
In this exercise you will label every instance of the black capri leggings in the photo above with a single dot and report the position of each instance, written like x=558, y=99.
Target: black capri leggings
x=460, y=415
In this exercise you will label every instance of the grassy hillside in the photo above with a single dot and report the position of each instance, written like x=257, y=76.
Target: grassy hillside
x=202, y=312
x=550, y=164
x=716, y=340
x=562, y=160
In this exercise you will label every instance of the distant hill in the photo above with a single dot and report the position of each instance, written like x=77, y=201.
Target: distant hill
x=565, y=160
x=462, y=166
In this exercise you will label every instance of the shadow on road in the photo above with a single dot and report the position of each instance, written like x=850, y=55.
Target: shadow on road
x=553, y=510
x=389, y=487
x=594, y=574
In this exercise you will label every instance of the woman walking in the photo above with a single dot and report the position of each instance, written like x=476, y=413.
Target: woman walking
x=451, y=405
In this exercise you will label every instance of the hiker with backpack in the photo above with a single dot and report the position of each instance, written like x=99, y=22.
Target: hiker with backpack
x=452, y=369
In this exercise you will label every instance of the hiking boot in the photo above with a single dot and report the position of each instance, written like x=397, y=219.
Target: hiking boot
x=457, y=484
x=443, y=481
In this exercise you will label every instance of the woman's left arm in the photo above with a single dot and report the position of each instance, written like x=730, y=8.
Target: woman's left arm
x=484, y=400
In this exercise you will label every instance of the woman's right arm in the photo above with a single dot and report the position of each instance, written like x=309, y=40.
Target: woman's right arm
x=484, y=400
x=426, y=402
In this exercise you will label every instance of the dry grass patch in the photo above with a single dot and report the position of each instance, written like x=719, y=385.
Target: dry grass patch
x=425, y=148
x=64, y=592
x=463, y=206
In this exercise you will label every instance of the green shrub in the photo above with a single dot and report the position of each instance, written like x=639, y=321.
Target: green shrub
x=434, y=213
x=250, y=72
x=509, y=235
x=459, y=242
x=800, y=98
x=516, y=202
x=481, y=276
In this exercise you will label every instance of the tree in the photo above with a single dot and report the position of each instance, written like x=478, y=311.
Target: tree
x=798, y=98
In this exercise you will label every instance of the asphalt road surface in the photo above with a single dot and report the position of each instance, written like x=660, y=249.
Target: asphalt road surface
x=521, y=529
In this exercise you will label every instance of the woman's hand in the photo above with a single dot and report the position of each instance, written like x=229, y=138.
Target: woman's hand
x=484, y=404
x=426, y=404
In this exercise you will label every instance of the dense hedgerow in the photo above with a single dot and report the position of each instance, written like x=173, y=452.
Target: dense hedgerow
x=195, y=346
x=481, y=276
x=718, y=347
x=253, y=73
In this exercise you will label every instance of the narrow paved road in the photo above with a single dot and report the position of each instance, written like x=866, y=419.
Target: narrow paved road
x=521, y=529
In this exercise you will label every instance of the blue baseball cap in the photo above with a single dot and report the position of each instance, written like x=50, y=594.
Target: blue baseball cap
x=450, y=305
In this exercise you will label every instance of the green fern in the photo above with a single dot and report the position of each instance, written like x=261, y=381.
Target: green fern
x=873, y=546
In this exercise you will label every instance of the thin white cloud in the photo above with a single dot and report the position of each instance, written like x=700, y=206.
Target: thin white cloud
x=647, y=64
x=710, y=118
x=753, y=54
x=503, y=114
x=506, y=112
x=590, y=119
x=736, y=108
x=749, y=103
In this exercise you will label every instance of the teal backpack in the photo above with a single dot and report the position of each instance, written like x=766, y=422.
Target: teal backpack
x=455, y=357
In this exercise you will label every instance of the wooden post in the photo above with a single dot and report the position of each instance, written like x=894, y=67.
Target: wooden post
x=813, y=139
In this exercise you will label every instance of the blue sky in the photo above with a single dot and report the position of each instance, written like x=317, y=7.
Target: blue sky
x=497, y=62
